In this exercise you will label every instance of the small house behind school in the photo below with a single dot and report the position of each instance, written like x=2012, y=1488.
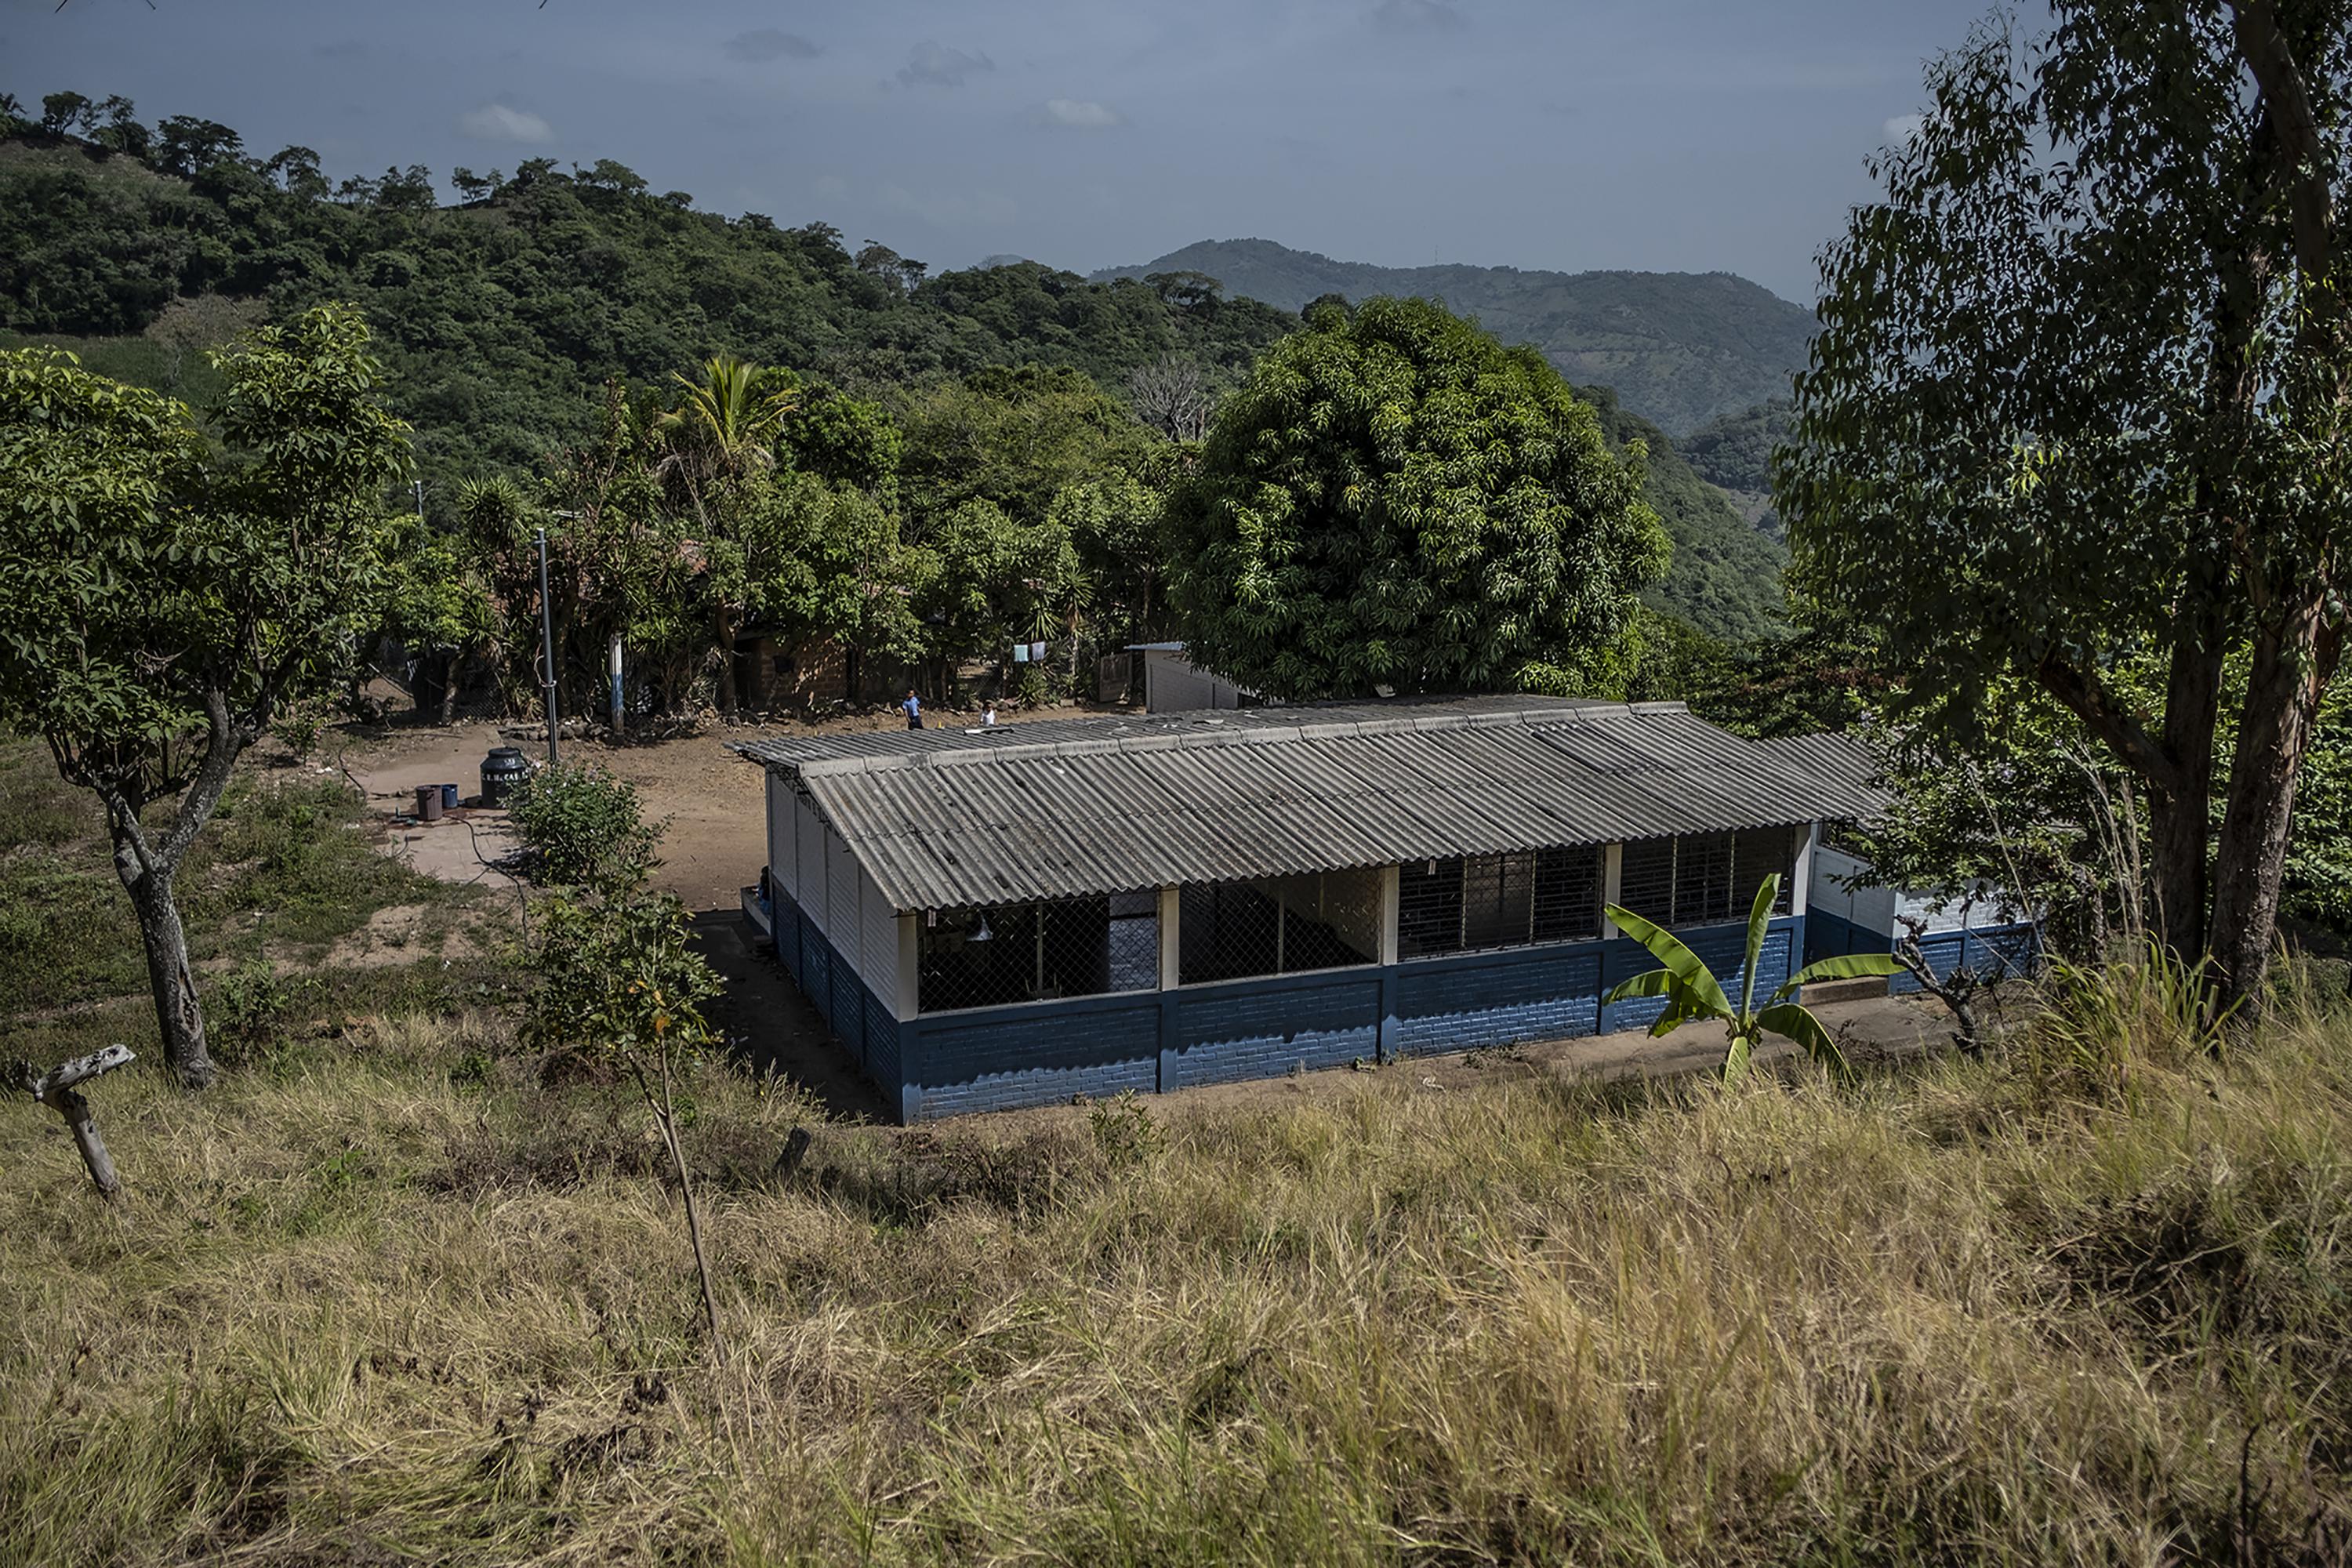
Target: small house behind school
x=1011, y=916
x=1846, y=912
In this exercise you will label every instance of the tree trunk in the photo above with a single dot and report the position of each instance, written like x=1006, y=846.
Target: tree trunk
x=179, y=1015
x=449, y=667
x=2294, y=657
x=2179, y=820
x=726, y=626
x=666, y=1112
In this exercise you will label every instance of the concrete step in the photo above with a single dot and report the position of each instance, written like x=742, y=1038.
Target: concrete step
x=1847, y=990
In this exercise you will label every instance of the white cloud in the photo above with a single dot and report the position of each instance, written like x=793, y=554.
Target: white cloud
x=497, y=122
x=1079, y=114
x=938, y=66
x=1903, y=128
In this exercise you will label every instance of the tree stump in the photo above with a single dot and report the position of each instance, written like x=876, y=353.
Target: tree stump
x=59, y=1088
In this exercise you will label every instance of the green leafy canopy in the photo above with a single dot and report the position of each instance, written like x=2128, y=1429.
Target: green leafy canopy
x=1397, y=499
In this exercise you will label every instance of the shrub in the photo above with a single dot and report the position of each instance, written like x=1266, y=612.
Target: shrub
x=584, y=828
x=249, y=1008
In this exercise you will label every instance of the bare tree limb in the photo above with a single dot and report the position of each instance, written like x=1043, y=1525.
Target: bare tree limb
x=58, y=1090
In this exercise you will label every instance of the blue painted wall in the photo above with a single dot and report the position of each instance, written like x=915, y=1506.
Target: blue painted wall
x=866, y=1026
x=1980, y=949
x=1040, y=1053
x=1263, y=1029
x=1833, y=936
x=1495, y=998
x=997, y=1058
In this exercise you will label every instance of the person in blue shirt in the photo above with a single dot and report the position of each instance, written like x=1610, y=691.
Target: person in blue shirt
x=913, y=709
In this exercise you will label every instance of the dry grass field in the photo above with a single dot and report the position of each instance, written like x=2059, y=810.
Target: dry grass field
x=399, y=1291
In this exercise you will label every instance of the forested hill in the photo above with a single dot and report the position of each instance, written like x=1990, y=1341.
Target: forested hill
x=1680, y=348
x=1726, y=578
x=501, y=318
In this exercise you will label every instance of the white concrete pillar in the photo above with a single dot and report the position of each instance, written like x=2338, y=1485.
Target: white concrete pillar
x=1612, y=874
x=910, y=966
x=1171, y=965
x=1391, y=885
x=1802, y=875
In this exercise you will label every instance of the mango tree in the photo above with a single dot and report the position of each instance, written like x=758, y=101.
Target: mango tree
x=168, y=592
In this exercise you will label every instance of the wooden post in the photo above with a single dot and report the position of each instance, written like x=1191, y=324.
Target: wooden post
x=57, y=1089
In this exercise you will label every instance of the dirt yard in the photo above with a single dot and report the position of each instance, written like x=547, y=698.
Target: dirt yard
x=713, y=800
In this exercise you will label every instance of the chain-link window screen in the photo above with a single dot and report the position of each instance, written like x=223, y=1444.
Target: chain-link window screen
x=1278, y=925
x=1481, y=901
x=986, y=957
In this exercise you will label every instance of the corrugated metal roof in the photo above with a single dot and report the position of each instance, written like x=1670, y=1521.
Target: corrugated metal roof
x=1840, y=757
x=945, y=817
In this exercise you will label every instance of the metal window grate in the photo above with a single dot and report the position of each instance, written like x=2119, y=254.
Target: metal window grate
x=1758, y=853
x=1646, y=879
x=1567, y=894
x=1703, y=894
x=1278, y=925
x=1001, y=954
x=1483, y=901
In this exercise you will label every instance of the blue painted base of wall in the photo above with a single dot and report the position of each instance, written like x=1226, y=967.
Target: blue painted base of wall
x=1001, y=1057
x=867, y=1027
x=1042, y=1052
x=1833, y=936
x=2012, y=947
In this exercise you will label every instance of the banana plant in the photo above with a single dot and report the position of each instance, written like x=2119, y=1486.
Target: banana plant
x=1692, y=991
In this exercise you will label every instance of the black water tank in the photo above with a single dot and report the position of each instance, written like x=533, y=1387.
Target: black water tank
x=504, y=768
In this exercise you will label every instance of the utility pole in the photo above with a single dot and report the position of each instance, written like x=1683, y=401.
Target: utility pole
x=547, y=647
x=612, y=664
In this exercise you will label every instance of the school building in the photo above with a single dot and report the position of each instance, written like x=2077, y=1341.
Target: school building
x=1012, y=916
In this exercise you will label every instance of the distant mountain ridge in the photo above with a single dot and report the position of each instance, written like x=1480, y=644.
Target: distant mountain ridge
x=1680, y=348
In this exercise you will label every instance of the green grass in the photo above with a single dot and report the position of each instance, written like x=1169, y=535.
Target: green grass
x=282, y=871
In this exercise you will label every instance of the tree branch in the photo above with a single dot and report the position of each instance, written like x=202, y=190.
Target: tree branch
x=224, y=740
x=2287, y=95
x=2096, y=707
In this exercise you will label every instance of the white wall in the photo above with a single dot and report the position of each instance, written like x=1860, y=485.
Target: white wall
x=878, y=938
x=840, y=926
x=783, y=846
x=811, y=892
x=1173, y=684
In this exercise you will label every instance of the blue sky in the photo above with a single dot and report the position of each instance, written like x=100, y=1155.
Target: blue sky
x=1680, y=135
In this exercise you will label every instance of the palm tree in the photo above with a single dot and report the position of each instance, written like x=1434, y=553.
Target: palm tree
x=1692, y=991
x=722, y=432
